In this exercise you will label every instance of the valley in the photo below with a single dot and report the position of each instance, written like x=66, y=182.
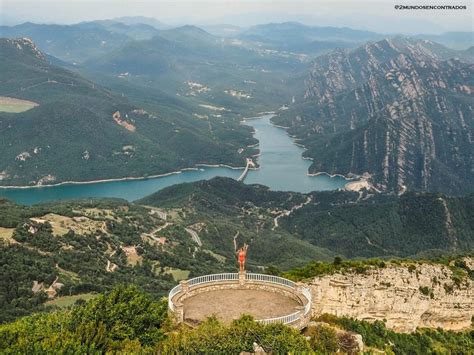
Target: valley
x=136, y=155
x=376, y=109
x=280, y=167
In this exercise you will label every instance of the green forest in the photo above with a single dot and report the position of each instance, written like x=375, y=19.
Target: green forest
x=128, y=320
x=52, y=253
x=154, y=135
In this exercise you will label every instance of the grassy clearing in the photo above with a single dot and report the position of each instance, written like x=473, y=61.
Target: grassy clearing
x=66, y=301
x=80, y=225
x=69, y=274
x=132, y=256
x=100, y=213
x=10, y=104
x=6, y=234
x=177, y=274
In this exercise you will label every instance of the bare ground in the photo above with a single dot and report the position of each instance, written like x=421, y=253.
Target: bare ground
x=227, y=305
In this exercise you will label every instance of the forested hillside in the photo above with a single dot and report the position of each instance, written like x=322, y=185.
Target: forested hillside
x=64, y=249
x=79, y=42
x=193, y=229
x=229, y=75
x=81, y=131
x=344, y=223
x=413, y=224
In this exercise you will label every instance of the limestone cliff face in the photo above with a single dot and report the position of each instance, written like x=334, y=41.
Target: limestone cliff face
x=394, y=293
x=399, y=109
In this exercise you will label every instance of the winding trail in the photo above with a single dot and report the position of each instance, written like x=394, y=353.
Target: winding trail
x=156, y=230
x=194, y=236
x=288, y=212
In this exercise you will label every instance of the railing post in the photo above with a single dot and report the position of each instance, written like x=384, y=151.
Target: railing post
x=179, y=312
x=184, y=286
x=242, y=275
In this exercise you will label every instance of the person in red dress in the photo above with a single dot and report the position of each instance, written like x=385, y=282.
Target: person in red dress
x=242, y=254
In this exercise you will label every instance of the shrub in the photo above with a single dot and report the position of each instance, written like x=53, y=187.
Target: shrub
x=322, y=339
x=215, y=338
x=425, y=290
x=125, y=318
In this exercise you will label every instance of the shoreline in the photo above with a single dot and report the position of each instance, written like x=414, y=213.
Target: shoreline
x=294, y=139
x=132, y=178
x=127, y=178
x=333, y=175
x=350, y=180
x=195, y=168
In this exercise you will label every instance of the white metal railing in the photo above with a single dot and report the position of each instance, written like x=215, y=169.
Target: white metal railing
x=307, y=293
x=290, y=318
x=287, y=319
x=172, y=293
x=271, y=279
x=213, y=278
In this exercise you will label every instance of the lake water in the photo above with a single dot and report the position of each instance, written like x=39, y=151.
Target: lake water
x=281, y=168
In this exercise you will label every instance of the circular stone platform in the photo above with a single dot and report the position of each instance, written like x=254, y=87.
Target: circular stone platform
x=227, y=305
x=269, y=299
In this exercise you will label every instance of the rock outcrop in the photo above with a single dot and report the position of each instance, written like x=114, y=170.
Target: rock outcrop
x=407, y=297
x=399, y=109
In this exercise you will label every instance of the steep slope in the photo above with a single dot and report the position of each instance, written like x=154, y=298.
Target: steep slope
x=404, y=295
x=81, y=131
x=413, y=224
x=398, y=109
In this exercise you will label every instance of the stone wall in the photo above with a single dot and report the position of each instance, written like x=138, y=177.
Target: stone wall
x=394, y=293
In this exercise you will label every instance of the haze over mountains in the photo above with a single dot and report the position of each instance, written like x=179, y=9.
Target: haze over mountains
x=398, y=109
x=132, y=97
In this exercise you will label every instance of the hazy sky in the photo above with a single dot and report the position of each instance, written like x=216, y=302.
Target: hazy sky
x=376, y=15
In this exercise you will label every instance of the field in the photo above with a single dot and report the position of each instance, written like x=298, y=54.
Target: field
x=66, y=301
x=10, y=104
x=80, y=225
x=6, y=234
x=177, y=274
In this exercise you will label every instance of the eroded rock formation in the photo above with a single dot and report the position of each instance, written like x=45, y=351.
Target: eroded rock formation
x=407, y=297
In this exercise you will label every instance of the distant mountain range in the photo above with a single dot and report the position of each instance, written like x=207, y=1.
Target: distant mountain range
x=398, y=109
x=86, y=40
x=190, y=62
x=293, y=36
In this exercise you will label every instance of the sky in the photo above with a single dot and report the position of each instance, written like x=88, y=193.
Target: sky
x=375, y=15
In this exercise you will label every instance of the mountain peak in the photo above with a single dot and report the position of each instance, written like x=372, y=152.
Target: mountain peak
x=24, y=46
x=391, y=108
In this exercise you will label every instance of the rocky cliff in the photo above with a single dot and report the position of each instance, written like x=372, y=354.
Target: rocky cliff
x=407, y=297
x=399, y=109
